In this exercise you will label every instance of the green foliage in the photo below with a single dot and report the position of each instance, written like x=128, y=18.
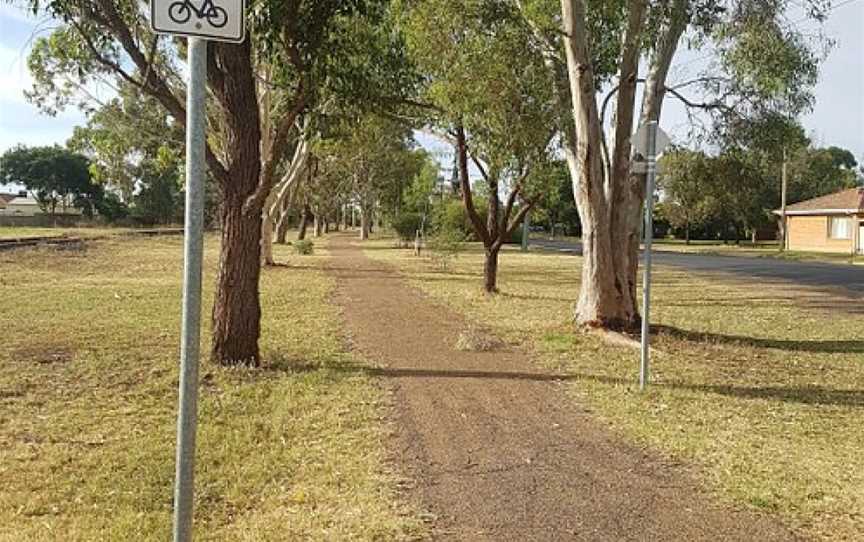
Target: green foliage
x=55, y=176
x=111, y=208
x=160, y=200
x=451, y=216
x=556, y=207
x=303, y=247
x=445, y=245
x=407, y=225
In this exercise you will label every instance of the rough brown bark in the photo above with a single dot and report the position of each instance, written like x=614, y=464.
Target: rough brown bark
x=236, y=307
x=490, y=270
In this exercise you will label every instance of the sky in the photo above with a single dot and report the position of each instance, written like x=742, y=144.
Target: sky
x=837, y=118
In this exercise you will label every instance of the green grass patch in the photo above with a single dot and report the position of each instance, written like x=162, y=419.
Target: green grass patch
x=759, y=386
x=88, y=394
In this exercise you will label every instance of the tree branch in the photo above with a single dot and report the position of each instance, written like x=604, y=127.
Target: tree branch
x=467, y=198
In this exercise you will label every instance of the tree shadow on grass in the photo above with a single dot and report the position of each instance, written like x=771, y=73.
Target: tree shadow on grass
x=846, y=346
x=807, y=395
x=810, y=395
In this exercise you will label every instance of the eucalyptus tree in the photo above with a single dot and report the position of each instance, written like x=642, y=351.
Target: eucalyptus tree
x=372, y=154
x=299, y=41
x=594, y=47
x=488, y=93
x=121, y=134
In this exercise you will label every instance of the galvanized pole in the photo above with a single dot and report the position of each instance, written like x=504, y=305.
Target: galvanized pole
x=193, y=249
x=783, y=188
x=526, y=230
x=649, y=238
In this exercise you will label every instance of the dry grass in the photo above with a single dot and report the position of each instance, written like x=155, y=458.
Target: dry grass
x=476, y=340
x=13, y=232
x=88, y=385
x=763, y=249
x=760, y=386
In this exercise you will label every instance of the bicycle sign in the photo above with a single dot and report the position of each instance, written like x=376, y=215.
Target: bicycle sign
x=221, y=20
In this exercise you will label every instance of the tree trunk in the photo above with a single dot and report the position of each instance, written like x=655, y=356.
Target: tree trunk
x=364, y=225
x=490, y=270
x=605, y=199
x=282, y=229
x=282, y=223
x=687, y=234
x=267, y=239
x=304, y=222
x=236, y=309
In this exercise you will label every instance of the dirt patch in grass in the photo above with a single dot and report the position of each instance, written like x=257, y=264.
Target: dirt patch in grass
x=294, y=451
x=760, y=386
x=47, y=353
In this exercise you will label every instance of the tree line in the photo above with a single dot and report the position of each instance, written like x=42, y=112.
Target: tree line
x=524, y=90
x=731, y=193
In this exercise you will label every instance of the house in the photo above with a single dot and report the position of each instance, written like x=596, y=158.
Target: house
x=6, y=198
x=21, y=206
x=832, y=223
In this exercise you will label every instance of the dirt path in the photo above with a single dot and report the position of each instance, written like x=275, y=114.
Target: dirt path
x=496, y=449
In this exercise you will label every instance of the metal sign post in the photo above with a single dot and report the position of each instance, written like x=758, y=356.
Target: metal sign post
x=193, y=249
x=221, y=20
x=649, y=238
x=650, y=140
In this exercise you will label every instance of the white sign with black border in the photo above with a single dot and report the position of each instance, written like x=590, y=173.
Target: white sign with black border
x=220, y=20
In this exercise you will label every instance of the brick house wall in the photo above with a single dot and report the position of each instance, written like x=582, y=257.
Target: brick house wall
x=810, y=233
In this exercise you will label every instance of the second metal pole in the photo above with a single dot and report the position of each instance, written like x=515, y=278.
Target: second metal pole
x=649, y=238
x=196, y=94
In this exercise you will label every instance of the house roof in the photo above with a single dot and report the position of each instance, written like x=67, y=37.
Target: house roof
x=843, y=202
x=23, y=200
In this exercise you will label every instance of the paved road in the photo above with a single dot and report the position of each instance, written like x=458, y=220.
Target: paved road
x=820, y=275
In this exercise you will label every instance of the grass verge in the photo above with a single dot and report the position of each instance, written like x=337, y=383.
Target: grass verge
x=14, y=232
x=762, y=394
x=88, y=387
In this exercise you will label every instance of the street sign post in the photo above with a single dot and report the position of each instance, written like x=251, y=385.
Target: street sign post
x=200, y=21
x=649, y=141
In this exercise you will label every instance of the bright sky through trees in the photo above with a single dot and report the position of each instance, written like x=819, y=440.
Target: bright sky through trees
x=838, y=117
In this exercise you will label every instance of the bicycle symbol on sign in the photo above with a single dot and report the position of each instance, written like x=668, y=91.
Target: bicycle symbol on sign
x=182, y=10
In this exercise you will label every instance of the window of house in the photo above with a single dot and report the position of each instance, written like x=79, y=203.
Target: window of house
x=839, y=227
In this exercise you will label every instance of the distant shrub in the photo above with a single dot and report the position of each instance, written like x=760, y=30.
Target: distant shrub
x=451, y=216
x=406, y=226
x=304, y=247
x=444, y=246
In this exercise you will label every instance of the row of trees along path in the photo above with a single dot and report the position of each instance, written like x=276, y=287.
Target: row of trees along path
x=512, y=83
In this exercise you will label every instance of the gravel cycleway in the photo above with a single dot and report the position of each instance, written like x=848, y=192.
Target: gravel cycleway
x=496, y=449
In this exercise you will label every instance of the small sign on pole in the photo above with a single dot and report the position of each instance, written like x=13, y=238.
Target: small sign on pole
x=221, y=20
x=649, y=141
x=200, y=21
